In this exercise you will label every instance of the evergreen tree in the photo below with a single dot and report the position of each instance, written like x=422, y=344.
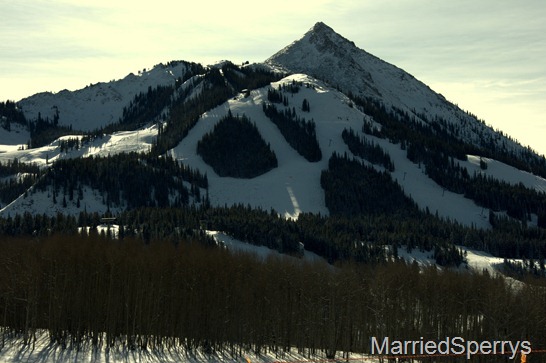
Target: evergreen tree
x=305, y=106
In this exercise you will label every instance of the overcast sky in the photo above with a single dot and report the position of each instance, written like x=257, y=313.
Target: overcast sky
x=487, y=56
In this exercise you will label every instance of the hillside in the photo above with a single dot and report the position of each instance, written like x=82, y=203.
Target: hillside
x=101, y=104
x=293, y=187
x=326, y=55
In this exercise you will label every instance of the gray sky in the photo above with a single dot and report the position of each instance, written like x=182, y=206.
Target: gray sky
x=487, y=56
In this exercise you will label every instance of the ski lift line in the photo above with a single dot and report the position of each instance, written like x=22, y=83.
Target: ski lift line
x=416, y=356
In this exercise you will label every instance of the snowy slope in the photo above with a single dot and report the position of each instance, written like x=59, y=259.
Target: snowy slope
x=13, y=139
x=501, y=171
x=326, y=55
x=261, y=252
x=41, y=202
x=475, y=261
x=38, y=202
x=100, y=104
x=294, y=186
x=428, y=194
x=119, y=142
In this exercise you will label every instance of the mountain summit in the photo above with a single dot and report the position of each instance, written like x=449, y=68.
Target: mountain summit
x=328, y=56
x=327, y=40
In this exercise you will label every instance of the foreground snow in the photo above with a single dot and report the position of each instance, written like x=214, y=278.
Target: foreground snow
x=42, y=351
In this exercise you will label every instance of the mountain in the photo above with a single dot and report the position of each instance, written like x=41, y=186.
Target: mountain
x=121, y=204
x=326, y=55
x=315, y=102
x=100, y=104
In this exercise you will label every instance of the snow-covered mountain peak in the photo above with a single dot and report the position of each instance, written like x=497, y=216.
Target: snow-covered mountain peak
x=327, y=40
x=321, y=27
x=328, y=56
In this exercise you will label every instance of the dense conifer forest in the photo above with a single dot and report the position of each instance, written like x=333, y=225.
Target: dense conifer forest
x=42, y=130
x=15, y=179
x=129, y=180
x=366, y=149
x=442, y=137
x=364, y=238
x=352, y=188
x=170, y=104
x=299, y=133
x=10, y=113
x=223, y=150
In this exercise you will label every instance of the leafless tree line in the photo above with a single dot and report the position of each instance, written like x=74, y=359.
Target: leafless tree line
x=88, y=290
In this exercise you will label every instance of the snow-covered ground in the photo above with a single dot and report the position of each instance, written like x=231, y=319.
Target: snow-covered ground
x=294, y=186
x=428, y=194
x=262, y=252
x=104, y=228
x=41, y=202
x=42, y=352
x=119, y=142
x=477, y=261
x=501, y=171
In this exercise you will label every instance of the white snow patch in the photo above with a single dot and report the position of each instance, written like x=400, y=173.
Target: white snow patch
x=422, y=258
x=503, y=172
x=260, y=251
